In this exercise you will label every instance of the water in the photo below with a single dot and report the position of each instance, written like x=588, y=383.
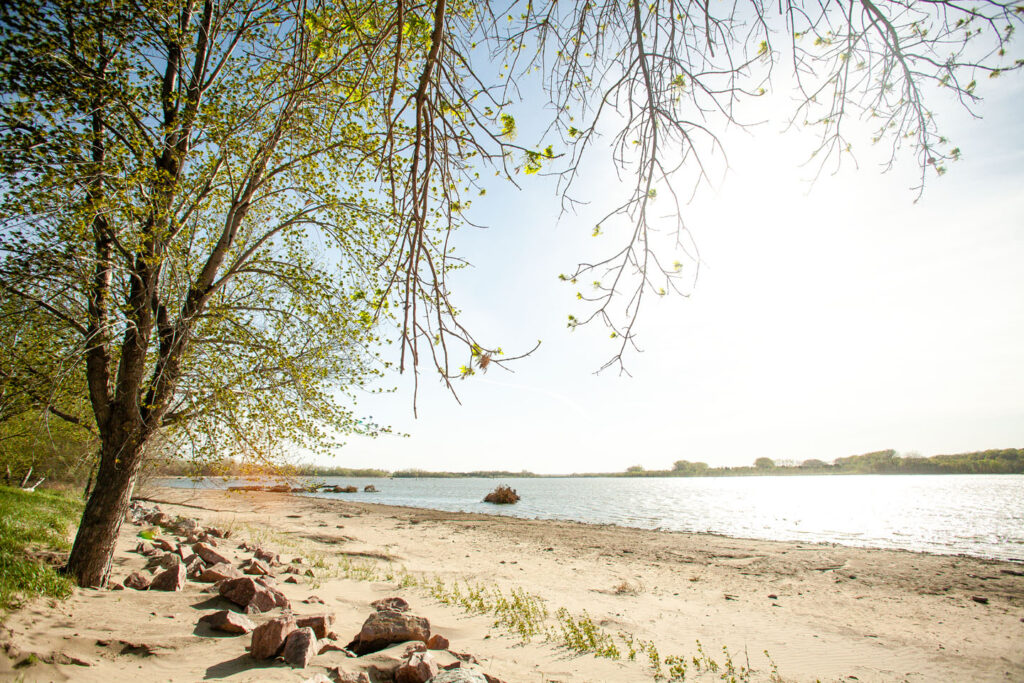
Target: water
x=980, y=515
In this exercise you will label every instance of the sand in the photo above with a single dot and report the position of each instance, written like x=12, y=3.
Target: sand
x=822, y=612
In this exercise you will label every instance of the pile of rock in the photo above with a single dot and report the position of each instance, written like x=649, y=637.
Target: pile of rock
x=248, y=583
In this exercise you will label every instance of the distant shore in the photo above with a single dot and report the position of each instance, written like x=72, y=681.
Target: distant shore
x=821, y=612
x=993, y=461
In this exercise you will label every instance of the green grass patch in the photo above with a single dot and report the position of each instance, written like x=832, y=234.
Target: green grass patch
x=42, y=520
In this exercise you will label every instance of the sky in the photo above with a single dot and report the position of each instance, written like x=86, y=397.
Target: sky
x=827, y=320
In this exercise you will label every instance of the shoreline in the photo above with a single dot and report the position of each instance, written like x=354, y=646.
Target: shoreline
x=541, y=516
x=822, y=611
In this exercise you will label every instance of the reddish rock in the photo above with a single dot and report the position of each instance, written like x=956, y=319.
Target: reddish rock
x=279, y=598
x=245, y=592
x=437, y=642
x=267, y=556
x=300, y=648
x=382, y=629
x=172, y=579
x=350, y=676
x=268, y=639
x=164, y=544
x=209, y=555
x=231, y=622
x=313, y=600
x=393, y=604
x=419, y=668
x=219, y=572
x=138, y=581
x=257, y=567
x=144, y=548
x=164, y=561
x=291, y=579
x=116, y=586
x=328, y=646
x=320, y=623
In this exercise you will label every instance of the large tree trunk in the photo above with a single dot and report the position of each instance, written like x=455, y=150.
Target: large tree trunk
x=93, y=550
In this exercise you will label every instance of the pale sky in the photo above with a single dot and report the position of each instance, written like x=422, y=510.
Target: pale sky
x=824, y=323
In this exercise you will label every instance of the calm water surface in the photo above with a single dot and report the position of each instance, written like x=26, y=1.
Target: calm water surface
x=980, y=515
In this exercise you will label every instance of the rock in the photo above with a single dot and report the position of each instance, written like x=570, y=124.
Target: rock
x=370, y=488
x=300, y=647
x=187, y=525
x=437, y=642
x=161, y=519
x=209, y=555
x=257, y=567
x=349, y=676
x=268, y=639
x=279, y=598
x=419, y=668
x=116, y=586
x=172, y=579
x=328, y=646
x=228, y=621
x=245, y=592
x=164, y=544
x=292, y=570
x=138, y=581
x=382, y=629
x=267, y=556
x=319, y=678
x=164, y=561
x=320, y=623
x=393, y=604
x=313, y=600
x=492, y=679
x=220, y=571
x=979, y=599
x=459, y=676
x=144, y=548
x=291, y=579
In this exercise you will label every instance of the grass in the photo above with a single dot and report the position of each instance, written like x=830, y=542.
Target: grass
x=42, y=520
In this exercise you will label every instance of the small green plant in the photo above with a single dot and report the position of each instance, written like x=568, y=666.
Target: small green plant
x=583, y=635
x=676, y=667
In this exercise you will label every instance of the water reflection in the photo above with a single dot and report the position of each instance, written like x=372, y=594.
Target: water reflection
x=979, y=515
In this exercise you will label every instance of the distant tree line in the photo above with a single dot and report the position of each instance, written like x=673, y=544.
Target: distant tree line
x=996, y=461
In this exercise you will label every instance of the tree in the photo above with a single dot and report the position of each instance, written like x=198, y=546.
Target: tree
x=635, y=469
x=689, y=467
x=218, y=199
x=814, y=463
x=764, y=464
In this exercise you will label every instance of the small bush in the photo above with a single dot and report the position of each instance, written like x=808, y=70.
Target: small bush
x=503, y=495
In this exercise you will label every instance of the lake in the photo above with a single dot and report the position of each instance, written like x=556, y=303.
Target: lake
x=980, y=515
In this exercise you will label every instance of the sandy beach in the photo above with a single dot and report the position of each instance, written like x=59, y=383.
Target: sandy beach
x=821, y=612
